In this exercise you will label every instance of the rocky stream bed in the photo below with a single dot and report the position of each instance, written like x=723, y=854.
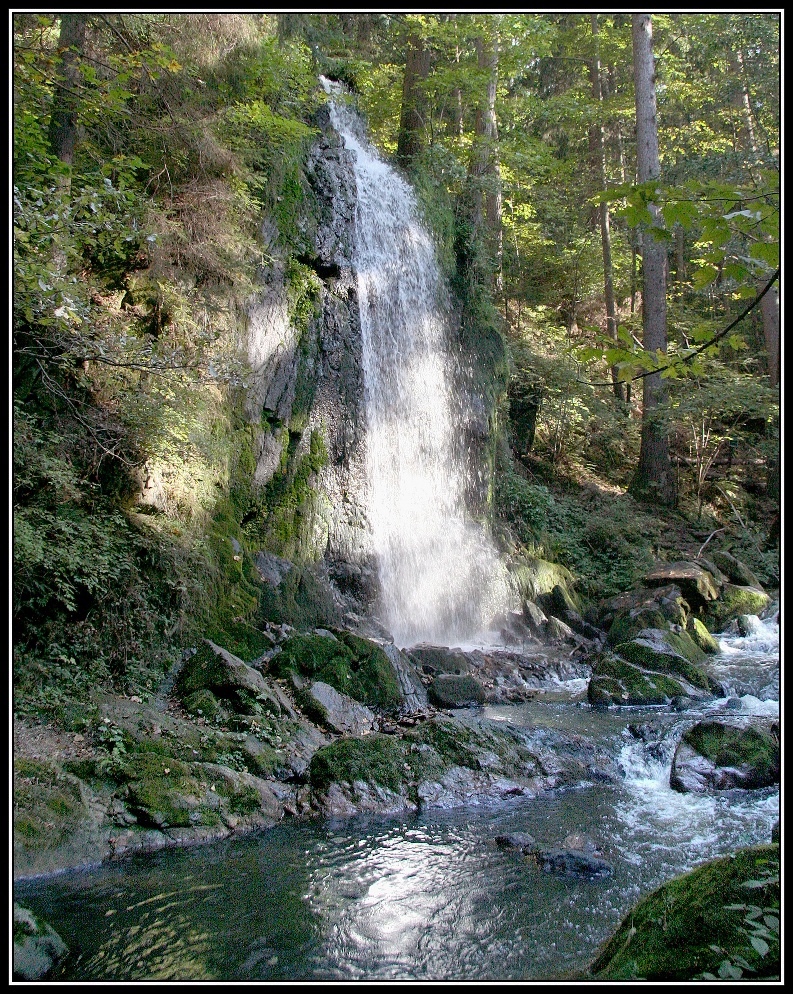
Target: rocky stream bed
x=303, y=728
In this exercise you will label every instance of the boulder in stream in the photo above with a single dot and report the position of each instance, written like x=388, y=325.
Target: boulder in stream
x=571, y=863
x=516, y=840
x=735, y=601
x=655, y=667
x=727, y=754
x=691, y=926
x=450, y=691
x=38, y=948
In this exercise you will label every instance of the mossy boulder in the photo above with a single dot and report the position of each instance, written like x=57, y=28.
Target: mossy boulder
x=376, y=759
x=701, y=636
x=434, y=659
x=450, y=691
x=735, y=571
x=699, y=921
x=698, y=585
x=215, y=669
x=652, y=668
x=615, y=681
x=629, y=613
x=202, y=702
x=351, y=665
x=161, y=792
x=721, y=755
x=736, y=600
x=38, y=948
x=533, y=578
x=670, y=652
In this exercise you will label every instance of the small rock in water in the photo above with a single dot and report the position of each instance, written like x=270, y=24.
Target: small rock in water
x=571, y=863
x=515, y=840
x=734, y=704
x=749, y=624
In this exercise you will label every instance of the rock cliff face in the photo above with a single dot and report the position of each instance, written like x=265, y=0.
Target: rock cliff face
x=307, y=385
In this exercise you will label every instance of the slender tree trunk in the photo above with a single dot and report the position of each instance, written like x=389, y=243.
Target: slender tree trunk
x=598, y=148
x=411, y=122
x=654, y=474
x=65, y=103
x=769, y=308
x=485, y=163
x=680, y=253
x=63, y=119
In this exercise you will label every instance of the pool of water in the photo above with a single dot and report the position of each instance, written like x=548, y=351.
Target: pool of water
x=419, y=896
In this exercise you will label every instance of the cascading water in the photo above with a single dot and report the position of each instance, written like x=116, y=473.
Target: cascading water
x=440, y=576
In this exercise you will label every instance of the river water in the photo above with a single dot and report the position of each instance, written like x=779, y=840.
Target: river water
x=424, y=896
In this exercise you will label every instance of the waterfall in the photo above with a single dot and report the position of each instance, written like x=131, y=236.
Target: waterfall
x=440, y=576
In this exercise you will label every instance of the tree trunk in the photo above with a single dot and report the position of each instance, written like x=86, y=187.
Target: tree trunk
x=654, y=477
x=485, y=163
x=63, y=119
x=599, y=152
x=769, y=308
x=411, y=122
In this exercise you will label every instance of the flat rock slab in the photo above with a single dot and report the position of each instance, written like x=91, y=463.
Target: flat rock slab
x=344, y=715
x=697, y=584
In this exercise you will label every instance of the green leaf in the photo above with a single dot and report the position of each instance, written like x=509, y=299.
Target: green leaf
x=759, y=944
x=702, y=277
x=767, y=252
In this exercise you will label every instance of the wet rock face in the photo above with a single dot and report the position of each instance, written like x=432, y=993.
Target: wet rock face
x=723, y=755
x=308, y=379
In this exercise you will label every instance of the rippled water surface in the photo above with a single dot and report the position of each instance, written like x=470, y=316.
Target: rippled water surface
x=426, y=896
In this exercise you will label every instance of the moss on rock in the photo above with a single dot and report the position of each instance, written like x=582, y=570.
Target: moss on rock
x=701, y=636
x=48, y=804
x=202, y=702
x=374, y=758
x=350, y=664
x=736, y=754
x=668, y=652
x=735, y=601
x=450, y=691
x=615, y=681
x=694, y=923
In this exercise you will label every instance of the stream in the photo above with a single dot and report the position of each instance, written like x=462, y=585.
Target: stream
x=425, y=896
